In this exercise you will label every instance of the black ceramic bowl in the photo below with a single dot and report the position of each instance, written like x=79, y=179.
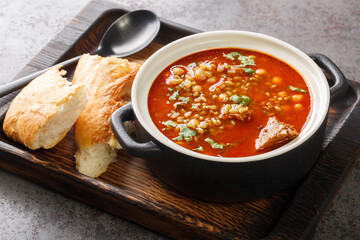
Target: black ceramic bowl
x=219, y=178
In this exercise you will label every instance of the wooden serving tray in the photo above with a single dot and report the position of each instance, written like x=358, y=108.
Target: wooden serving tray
x=130, y=190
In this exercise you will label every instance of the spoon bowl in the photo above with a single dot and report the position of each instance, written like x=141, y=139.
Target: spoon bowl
x=129, y=34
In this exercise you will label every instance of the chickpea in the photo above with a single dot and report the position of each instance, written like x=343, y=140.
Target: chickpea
x=178, y=71
x=277, y=80
x=187, y=83
x=200, y=130
x=208, y=74
x=211, y=80
x=196, y=88
x=188, y=114
x=220, y=68
x=193, y=123
x=223, y=97
x=191, y=78
x=215, y=96
x=175, y=81
x=203, y=125
x=277, y=108
x=200, y=74
x=282, y=94
x=298, y=106
x=201, y=65
x=260, y=71
x=233, y=110
x=297, y=98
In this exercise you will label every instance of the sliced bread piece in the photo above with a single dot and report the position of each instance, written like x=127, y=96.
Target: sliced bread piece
x=110, y=80
x=45, y=110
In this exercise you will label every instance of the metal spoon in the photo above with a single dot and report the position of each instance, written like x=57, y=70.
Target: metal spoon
x=127, y=35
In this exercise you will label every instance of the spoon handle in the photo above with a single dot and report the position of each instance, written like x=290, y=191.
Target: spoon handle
x=21, y=82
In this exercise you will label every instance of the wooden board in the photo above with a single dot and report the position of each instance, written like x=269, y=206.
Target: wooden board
x=130, y=190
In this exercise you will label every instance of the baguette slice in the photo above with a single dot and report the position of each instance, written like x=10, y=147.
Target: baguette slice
x=45, y=110
x=110, y=80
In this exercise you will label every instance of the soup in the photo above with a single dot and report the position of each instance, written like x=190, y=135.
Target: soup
x=229, y=102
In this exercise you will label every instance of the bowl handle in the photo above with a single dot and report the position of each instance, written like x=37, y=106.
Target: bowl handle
x=340, y=84
x=143, y=150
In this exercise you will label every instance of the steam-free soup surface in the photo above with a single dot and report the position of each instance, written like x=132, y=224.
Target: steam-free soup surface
x=216, y=102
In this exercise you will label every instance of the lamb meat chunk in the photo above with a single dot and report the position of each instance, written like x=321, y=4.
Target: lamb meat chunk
x=275, y=132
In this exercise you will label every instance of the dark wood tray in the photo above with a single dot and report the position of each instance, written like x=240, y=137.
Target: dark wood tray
x=129, y=190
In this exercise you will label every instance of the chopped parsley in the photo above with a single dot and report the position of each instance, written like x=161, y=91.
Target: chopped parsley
x=174, y=96
x=169, y=123
x=185, y=133
x=183, y=99
x=200, y=149
x=214, y=144
x=231, y=55
x=174, y=113
x=297, y=89
x=244, y=60
x=242, y=99
x=248, y=70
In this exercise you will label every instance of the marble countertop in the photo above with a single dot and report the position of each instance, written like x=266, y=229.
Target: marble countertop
x=30, y=211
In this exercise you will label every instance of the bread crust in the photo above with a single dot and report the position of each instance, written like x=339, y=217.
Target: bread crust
x=110, y=80
x=36, y=104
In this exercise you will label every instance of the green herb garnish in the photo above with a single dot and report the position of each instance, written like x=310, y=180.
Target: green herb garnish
x=170, y=89
x=174, y=113
x=296, y=89
x=185, y=133
x=169, y=123
x=214, y=144
x=248, y=70
x=244, y=60
x=200, y=149
x=242, y=99
x=231, y=55
x=183, y=99
x=174, y=96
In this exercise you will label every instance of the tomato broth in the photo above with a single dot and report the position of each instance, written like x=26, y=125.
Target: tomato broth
x=216, y=102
